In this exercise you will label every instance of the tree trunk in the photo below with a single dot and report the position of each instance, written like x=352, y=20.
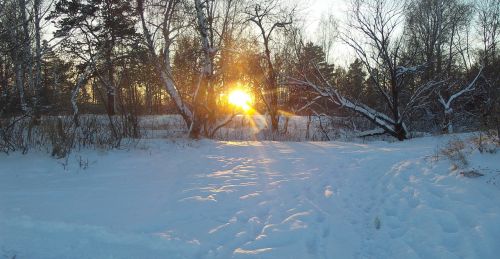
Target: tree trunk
x=20, y=85
x=164, y=68
x=38, y=62
x=448, y=123
x=272, y=90
x=199, y=113
x=110, y=82
x=204, y=100
x=400, y=132
x=20, y=55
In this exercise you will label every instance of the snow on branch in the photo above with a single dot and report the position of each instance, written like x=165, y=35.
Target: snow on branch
x=420, y=97
x=468, y=88
x=380, y=119
x=448, y=111
x=402, y=70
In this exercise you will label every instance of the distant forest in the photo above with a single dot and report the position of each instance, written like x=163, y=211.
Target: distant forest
x=426, y=65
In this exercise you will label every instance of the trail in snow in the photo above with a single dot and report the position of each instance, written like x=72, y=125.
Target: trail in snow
x=209, y=199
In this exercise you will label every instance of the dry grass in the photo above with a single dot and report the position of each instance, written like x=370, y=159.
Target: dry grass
x=455, y=151
x=486, y=142
x=58, y=135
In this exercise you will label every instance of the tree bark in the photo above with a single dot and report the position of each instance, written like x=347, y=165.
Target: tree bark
x=163, y=68
x=38, y=61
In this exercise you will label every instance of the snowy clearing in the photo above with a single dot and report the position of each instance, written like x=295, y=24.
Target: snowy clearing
x=209, y=199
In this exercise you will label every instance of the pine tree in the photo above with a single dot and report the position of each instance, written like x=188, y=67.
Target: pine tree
x=96, y=30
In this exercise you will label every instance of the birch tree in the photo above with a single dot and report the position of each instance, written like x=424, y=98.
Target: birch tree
x=215, y=23
x=164, y=32
x=20, y=32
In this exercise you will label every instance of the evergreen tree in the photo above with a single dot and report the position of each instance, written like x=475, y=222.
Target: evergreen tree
x=353, y=84
x=97, y=31
x=312, y=64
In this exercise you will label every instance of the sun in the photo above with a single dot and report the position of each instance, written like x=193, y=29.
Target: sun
x=241, y=99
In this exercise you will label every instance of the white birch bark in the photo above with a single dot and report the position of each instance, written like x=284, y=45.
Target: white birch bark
x=164, y=71
x=82, y=79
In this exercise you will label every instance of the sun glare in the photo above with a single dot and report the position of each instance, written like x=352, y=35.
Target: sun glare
x=240, y=99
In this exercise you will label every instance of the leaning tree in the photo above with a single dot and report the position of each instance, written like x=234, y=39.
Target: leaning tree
x=373, y=35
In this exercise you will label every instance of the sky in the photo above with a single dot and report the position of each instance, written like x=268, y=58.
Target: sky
x=336, y=7
x=314, y=10
x=311, y=11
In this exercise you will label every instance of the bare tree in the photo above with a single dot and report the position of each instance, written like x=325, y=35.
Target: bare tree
x=489, y=27
x=165, y=32
x=37, y=78
x=20, y=32
x=432, y=29
x=488, y=21
x=379, y=48
x=327, y=33
x=215, y=22
x=20, y=50
x=205, y=84
x=82, y=79
x=268, y=17
x=446, y=103
x=436, y=40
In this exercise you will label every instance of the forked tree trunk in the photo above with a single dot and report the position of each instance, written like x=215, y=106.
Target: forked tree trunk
x=204, y=101
x=163, y=68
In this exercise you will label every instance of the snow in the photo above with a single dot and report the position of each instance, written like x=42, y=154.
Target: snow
x=210, y=199
x=402, y=70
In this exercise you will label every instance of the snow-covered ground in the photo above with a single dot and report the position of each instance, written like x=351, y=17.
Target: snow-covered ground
x=208, y=199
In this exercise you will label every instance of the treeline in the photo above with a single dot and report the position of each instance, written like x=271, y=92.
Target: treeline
x=417, y=64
